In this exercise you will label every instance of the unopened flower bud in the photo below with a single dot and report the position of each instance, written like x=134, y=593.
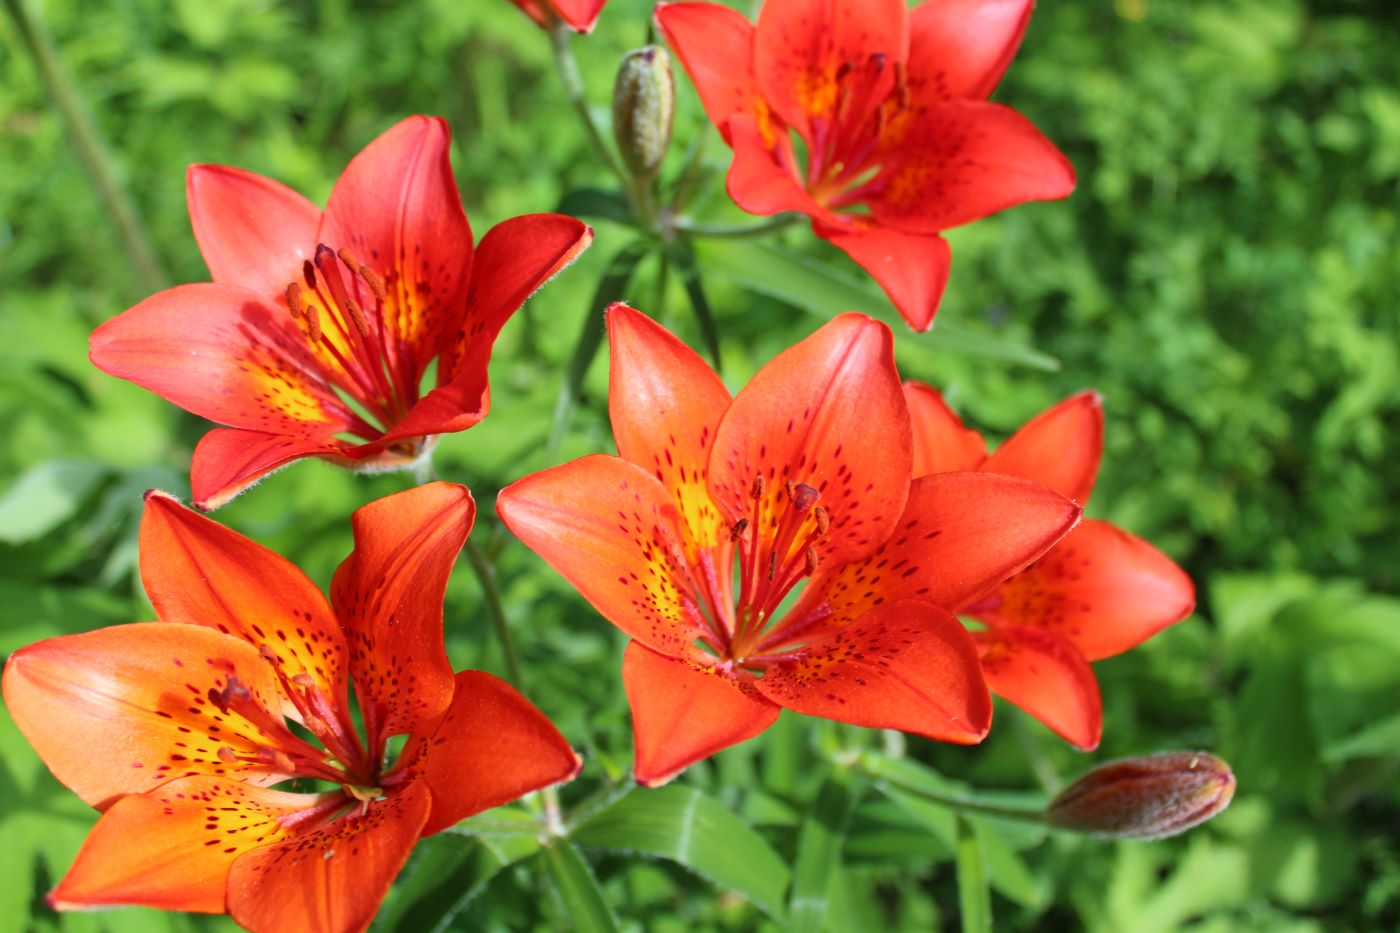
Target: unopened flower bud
x=1145, y=798
x=644, y=101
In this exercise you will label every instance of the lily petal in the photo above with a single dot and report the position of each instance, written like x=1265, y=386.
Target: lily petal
x=942, y=443
x=912, y=268
x=1101, y=589
x=906, y=665
x=1047, y=677
x=253, y=231
x=332, y=879
x=962, y=160
x=612, y=531
x=491, y=747
x=828, y=412
x=665, y=404
x=121, y=710
x=172, y=848
x=224, y=353
x=715, y=44
x=1060, y=447
x=581, y=15
x=762, y=177
x=397, y=208
x=961, y=48
x=800, y=46
x=388, y=596
x=198, y=572
x=229, y=460
x=960, y=537
x=683, y=713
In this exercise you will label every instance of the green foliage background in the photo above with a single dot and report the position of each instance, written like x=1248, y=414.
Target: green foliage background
x=1227, y=274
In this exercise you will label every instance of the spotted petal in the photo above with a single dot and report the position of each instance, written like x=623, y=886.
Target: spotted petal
x=961, y=48
x=172, y=848
x=198, y=572
x=666, y=404
x=906, y=665
x=491, y=747
x=613, y=532
x=388, y=597
x=125, y=709
x=331, y=879
x=715, y=44
x=1101, y=589
x=683, y=712
x=828, y=412
x=1047, y=677
x=229, y=460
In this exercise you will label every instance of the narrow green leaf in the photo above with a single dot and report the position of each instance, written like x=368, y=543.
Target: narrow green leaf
x=45, y=496
x=573, y=884
x=974, y=893
x=613, y=283
x=682, y=255
x=595, y=202
x=819, y=853
x=683, y=825
x=817, y=289
x=447, y=872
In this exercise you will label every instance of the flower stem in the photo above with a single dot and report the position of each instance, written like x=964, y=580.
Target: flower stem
x=960, y=804
x=486, y=576
x=567, y=68
x=735, y=231
x=96, y=158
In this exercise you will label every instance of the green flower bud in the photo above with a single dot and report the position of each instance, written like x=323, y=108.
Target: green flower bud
x=1145, y=798
x=644, y=101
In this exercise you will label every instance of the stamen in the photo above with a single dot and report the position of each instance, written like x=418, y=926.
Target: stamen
x=823, y=520
x=348, y=258
x=227, y=755
x=804, y=497
x=757, y=491
x=357, y=314
x=811, y=555
x=737, y=531
x=295, y=304
x=375, y=283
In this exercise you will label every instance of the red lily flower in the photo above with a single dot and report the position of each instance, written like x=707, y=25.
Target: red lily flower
x=310, y=312
x=177, y=732
x=804, y=476
x=898, y=139
x=1095, y=594
x=578, y=15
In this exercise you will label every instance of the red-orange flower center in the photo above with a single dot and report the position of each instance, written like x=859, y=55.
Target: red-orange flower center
x=343, y=305
x=858, y=109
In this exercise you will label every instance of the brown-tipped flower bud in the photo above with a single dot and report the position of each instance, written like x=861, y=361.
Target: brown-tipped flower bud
x=644, y=101
x=1145, y=798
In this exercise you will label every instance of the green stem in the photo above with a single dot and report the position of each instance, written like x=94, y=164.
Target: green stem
x=486, y=576
x=567, y=68
x=96, y=158
x=961, y=804
x=735, y=231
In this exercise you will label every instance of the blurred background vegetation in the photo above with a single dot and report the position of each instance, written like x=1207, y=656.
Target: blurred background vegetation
x=1227, y=274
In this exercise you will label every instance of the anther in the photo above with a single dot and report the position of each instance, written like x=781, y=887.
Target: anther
x=811, y=555
x=737, y=531
x=823, y=519
x=233, y=692
x=357, y=315
x=308, y=272
x=804, y=497
x=845, y=69
x=757, y=491
x=348, y=258
x=304, y=679
x=790, y=488
x=227, y=754
x=294, y=301
x=772, y=565
x=313, y=324
x=375, y=283
x=267, y=654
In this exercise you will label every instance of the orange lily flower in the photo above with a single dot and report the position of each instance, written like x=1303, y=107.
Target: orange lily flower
x=314, y=336
x=177, y=730
x=1095, y=594
x=898, y=141
x=803, y=478
x=578, y=15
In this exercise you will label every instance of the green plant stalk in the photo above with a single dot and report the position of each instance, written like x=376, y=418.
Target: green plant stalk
x=92, y=151
x=960, y=804
x=567, y=67
x=486, y=576
x=736, y=231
